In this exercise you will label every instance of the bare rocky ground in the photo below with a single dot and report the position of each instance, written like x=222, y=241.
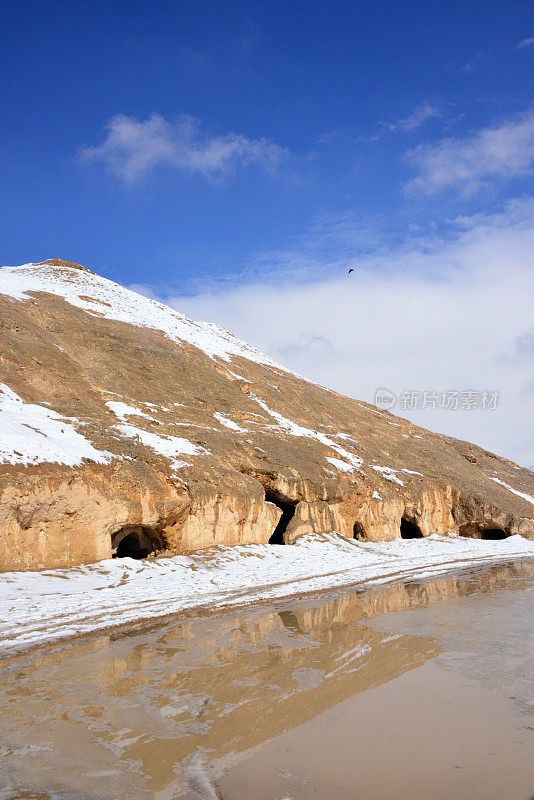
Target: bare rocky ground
x=127, y=429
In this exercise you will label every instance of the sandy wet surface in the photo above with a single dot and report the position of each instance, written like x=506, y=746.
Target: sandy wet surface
x=421, y=690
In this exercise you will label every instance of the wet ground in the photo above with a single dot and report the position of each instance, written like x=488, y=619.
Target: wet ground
x=423, y=691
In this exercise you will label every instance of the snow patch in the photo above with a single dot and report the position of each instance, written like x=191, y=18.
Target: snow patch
x=123, y=410
x=388, y=474
x=527, y=497
x=228, y=423
x=294, y=429
x=167, y=446
x=340, y=465
x=33, y=434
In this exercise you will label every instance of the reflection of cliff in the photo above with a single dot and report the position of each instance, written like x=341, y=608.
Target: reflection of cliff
x=135, y=709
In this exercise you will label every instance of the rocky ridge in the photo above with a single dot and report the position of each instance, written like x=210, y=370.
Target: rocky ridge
x=127, y=429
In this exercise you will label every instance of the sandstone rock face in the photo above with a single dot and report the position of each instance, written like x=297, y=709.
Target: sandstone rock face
x=126, y=428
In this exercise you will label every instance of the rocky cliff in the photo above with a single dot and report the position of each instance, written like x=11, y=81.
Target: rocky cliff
x=128, y=429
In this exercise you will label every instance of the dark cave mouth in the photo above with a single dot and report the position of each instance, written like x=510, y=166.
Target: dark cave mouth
x=476, y=530
x=288, y=512
x=358, y=532
x=493, y=534
x=410, y=529
x=135, y=542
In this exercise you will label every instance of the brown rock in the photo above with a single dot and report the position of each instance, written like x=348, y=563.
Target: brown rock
x=67, y=346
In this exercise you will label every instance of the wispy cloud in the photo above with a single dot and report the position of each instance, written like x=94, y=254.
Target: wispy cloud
x=435, y=314
x=329, y=136
x=415, y=120
x=526, y=43
x=133, y=148
x=476, y=62
x=503, y=151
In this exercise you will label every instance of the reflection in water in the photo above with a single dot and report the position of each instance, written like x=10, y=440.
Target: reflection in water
x=162, y=713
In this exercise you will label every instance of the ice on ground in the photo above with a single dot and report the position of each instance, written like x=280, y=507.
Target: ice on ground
x=44, y=606
x=102, y=297
x=33, y=434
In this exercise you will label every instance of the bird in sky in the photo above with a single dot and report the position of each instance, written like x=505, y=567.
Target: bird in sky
x=351, y=270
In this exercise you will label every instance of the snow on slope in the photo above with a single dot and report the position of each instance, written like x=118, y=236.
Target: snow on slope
x=167, y=446
x=527, y=497
x=288, y=426
x=44, y=606
x=31, y=434
x=115, y=302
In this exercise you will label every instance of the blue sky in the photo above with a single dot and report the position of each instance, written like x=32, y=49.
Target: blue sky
x=339, y=92
x=234, y=158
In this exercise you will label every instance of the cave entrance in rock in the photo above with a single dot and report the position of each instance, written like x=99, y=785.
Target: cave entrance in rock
x=409, y=529
x=358, y=532
x=134, y=542
x=493, y=533
x=475, y=530
x=288, y=511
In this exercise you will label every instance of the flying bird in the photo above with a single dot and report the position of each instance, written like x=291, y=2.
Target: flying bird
x=351, y=270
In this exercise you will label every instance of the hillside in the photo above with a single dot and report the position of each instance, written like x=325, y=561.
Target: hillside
x=127, y=429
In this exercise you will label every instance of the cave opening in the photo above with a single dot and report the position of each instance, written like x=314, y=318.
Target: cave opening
x=493, y=533
x=135, y=542
x=475, y=530
x=288, y=511
x=409, y=529
x=358, y=532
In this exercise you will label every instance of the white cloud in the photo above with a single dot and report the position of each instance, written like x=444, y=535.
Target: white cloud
x=500, y=152
x=133, y=148
x=526, y=43
x=438, y=314
x=416, y=119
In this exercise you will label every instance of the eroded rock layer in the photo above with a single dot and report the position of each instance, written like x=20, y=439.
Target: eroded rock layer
x=127, y=429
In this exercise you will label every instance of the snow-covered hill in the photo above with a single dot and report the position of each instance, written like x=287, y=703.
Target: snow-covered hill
x=127, y=429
